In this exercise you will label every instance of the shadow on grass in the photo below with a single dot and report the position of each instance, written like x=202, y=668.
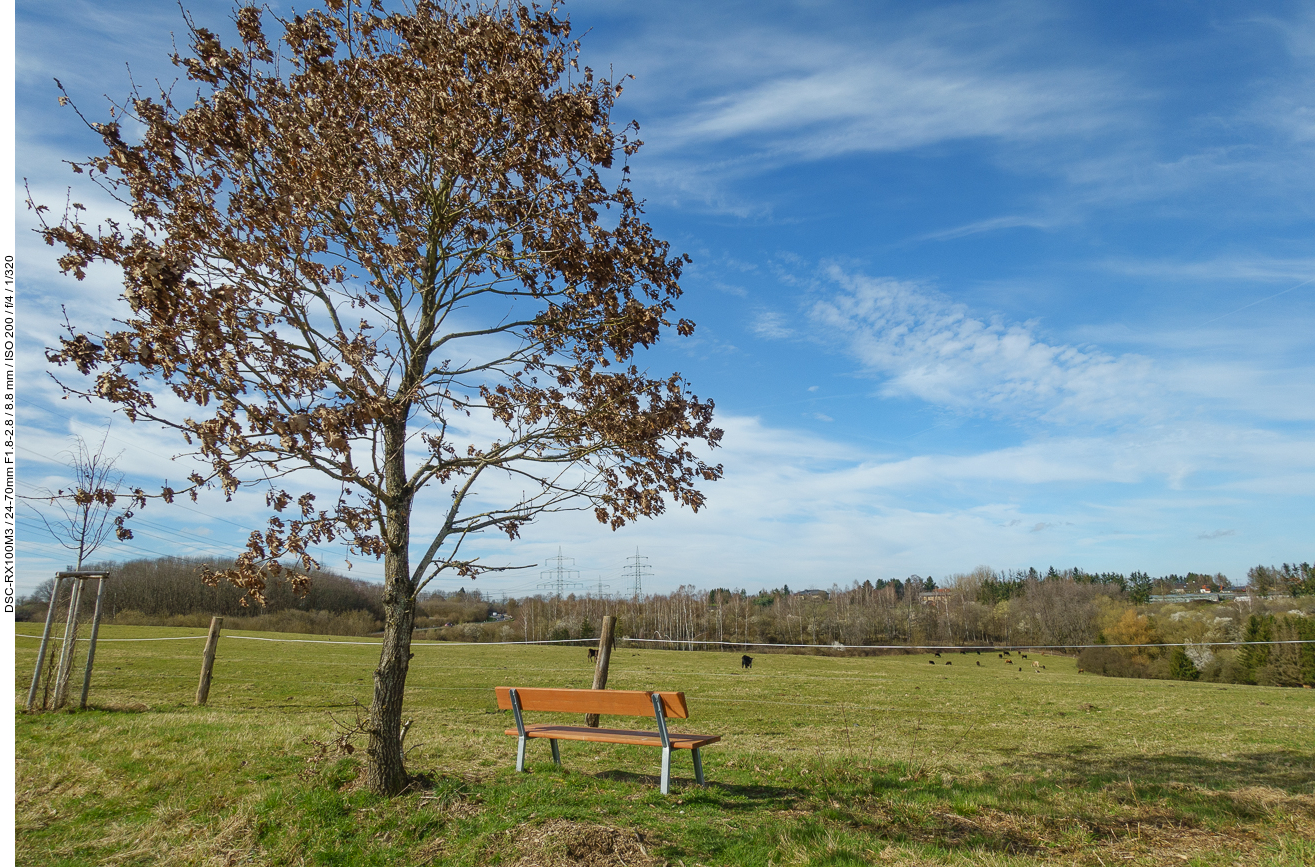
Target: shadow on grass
x=1288, y=771
x=729, y=796
x=91, y=708
x=1113, y=795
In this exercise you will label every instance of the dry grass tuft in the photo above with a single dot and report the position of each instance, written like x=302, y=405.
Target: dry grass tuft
x=564, y=843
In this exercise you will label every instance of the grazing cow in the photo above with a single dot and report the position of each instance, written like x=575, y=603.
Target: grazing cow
x=1001, y=655
x=593, y=652
x=979, y=653
x=938, y=654
x=979, y=663
x=1081, y=670
x=1009, y=662
x=746, y=662
x=1006, y=653
x=1024, y=655
x=931, y=662
x=947, y=662
x=1036, y=666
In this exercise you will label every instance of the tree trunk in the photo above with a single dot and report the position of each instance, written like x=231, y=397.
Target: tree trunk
x=386, y=771
x=386, y=768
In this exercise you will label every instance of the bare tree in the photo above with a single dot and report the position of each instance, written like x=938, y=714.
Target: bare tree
x=82, y=516
x=388, y=253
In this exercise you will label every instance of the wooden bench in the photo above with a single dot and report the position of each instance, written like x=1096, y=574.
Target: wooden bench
x=619, y=702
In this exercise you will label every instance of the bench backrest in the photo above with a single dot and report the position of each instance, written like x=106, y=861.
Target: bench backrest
x=617, y=702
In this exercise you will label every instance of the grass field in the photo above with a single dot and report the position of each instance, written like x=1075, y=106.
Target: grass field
x=824, y=761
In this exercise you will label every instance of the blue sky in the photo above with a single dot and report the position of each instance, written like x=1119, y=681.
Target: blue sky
x=1013, y=284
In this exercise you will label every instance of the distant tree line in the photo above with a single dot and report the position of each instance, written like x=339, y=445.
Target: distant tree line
x=169, y=591
x=1293, y=579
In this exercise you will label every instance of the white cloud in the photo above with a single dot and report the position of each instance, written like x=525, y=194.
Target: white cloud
x=993, y=224
x=928, y=347
x=896, y=100
x=798, y=507
x=770, y=324
x=813, y=86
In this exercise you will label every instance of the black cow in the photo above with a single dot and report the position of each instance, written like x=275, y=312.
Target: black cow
x=593, y=652
x=746, y=661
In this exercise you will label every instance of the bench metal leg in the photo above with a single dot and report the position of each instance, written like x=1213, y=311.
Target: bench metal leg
x=520, y=755
x=556, y=755
x=698, y=767
x=666, y=770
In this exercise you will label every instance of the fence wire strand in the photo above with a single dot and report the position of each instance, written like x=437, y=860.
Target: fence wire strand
x=683, y=644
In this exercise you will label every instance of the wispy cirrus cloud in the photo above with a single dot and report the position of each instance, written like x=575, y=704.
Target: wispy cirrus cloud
x=771, y=324
x=924, y=345
x=900, y=98
x=992, y=224
x=827, y=82
x=729, y=94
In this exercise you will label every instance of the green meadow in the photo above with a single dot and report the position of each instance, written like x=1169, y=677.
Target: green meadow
x=825, y=760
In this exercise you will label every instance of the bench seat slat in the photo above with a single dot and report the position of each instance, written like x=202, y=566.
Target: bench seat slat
x=615, y=736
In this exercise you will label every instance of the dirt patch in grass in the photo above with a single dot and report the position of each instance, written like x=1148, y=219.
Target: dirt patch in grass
x=564, y=843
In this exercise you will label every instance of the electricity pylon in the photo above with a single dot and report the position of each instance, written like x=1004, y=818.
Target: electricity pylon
x=556, y=578
x=636, y=566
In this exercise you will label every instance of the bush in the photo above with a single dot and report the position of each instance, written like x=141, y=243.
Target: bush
x=1111, y=662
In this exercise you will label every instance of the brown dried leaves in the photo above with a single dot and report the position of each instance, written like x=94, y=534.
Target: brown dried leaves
x=313, y=235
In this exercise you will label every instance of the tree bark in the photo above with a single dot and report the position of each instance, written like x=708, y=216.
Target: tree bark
x=386, y=766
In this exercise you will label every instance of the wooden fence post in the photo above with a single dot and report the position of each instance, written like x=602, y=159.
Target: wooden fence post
x=604, y=657
x=91, y=645
x=70, y=645
x=45, y=641
x=208, y=661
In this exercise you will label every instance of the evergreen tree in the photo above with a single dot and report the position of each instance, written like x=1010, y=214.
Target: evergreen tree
x=1181, y=666
x=1139, y=588
x=1253, y=657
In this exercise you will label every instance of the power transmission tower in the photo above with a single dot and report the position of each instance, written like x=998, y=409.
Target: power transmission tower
x=636, y=567
x=558, y=577
x=601, y=585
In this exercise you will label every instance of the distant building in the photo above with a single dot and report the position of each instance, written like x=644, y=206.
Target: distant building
x=1184, y=596
x=931, y=597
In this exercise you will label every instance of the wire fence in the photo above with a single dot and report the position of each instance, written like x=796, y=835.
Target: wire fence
x=683, y=644
x=840, y=706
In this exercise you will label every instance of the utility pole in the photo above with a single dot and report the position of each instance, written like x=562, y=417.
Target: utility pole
x=636, y=567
